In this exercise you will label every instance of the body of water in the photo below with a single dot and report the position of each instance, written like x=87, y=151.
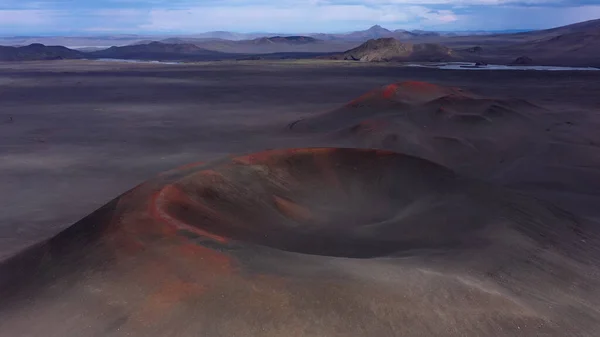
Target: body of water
x=447, y=66
x=137, y=61
x=471, y=66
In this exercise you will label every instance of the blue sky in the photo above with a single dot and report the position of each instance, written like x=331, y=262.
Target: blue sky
x=68, y=17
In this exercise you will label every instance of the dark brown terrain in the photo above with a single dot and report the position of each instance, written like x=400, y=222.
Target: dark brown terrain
x=397, y=201
x=572, y=45
x=390, y=49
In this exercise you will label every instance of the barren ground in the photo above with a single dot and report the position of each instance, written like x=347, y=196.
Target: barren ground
x=75, y=134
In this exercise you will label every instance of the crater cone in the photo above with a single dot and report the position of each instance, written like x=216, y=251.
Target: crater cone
x=337, y=202
x=208, y=246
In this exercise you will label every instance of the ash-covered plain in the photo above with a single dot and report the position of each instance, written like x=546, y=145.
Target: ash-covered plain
x=286, y=198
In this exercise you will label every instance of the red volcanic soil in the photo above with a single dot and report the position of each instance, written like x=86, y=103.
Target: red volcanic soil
x=294, y=199
x=407, y=92
x=211, y=248
x=395, y=98
x=447, y=125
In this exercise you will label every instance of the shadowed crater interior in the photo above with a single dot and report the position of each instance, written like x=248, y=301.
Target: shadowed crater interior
x=337, y=202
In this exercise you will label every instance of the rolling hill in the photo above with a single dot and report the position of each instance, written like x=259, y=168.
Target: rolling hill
x=265, y=45
x=160, y=51
x=286, y=40
x=390, y=49
x=36, y=51
x=573, y=45
x=577, y=44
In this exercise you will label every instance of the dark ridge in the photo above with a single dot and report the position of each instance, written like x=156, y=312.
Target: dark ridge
x=286, y=39
x=159, y=51
x=390, y=49
x=38, y=51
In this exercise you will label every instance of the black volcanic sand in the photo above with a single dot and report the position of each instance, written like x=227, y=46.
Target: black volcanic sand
x=319, y=241
x=480, y=223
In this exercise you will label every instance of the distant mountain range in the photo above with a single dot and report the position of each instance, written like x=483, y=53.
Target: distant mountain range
x=105, y=41
x=577, y=44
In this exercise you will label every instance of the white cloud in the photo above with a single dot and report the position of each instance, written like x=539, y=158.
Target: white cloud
x=461, y=2
x=535, y=17
x=18, y=17
x=431, y=17
x=306, y=18
x=284, y=16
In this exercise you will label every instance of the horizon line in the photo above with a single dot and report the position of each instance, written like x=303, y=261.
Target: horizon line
x=83, y=34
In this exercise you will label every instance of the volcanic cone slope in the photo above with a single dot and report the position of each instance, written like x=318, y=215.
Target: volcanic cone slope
x=211, y=249
x=474, y=135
